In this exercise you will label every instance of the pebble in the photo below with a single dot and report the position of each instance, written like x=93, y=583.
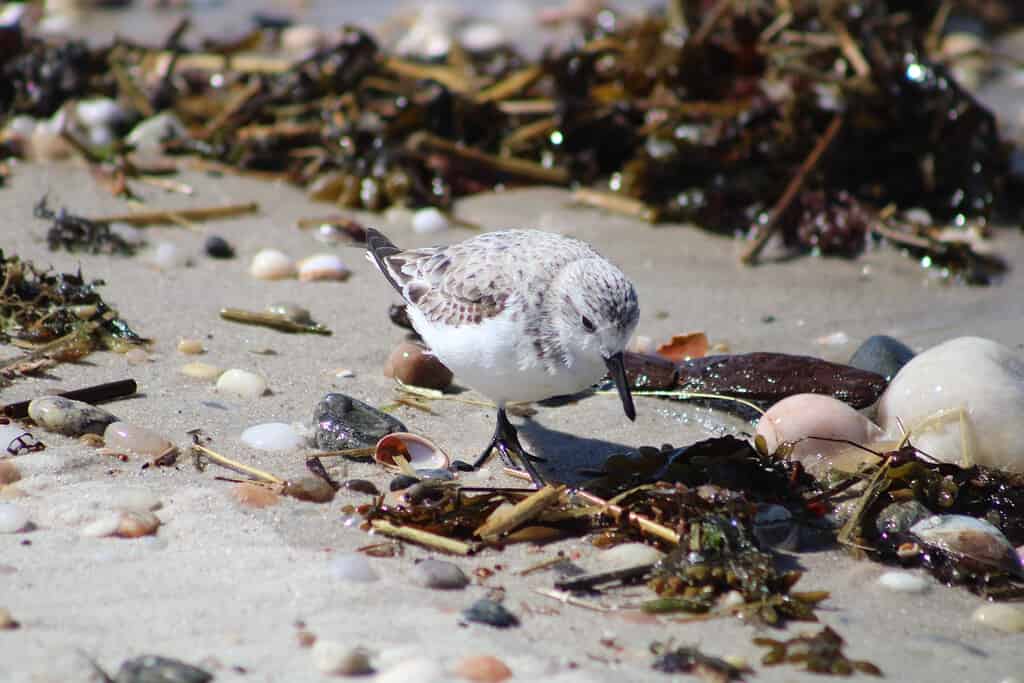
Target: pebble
x=7, y=622
x=881, y=354
x=310, y=489
x=487, y=611
x=903, y=582
x=412, y=364
x=322, y=267
x=157, y=669
x=166, y=256
x=271, y=264
x=123, y=524
x=272, y=436
x=242, y=384
x=293, y=312
x=332, y=657
x=1000, y=616
x=774, y=528
x=125, y=437
x=151, y=133
x=343, y=422
x=190, y=347
x=431, y=573
x=8, y=473
x=628, y=555
x=66, y=416
x=418, y=670
x=254, y=496
x=13, y=518
x=216, y=246
x=483, y=669
x=200, y=370
x=352, y=567
x=429, y=220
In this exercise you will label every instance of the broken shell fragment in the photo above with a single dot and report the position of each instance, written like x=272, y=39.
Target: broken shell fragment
x=420, y=452
x=323, y=267
x=124, y=524
x=969, y=538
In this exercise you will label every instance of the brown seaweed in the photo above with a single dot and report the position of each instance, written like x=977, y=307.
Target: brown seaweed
x=820, y=653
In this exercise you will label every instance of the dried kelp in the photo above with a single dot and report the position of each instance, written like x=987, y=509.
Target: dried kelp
x=686, y=659
x=77, y=233
x=821, y=653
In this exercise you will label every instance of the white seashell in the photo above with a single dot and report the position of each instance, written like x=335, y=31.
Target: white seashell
x=903, y=582
x=1000, y=616
x=97, y=112
x=482, y=37
x=352, y=567
x=420, y=452
x=151, y=133
x=200, y=370
x=967, y=390
x=101, y=136
x=333, y=657
x=124, y=437
x=242, y=384
x=971, y=538
x=66, y=416
x=124, y=524
x=271, y=264
x=628, y=555
x=190, y=346
x=322, y=267
x=272, y=436
x=429, y=220
x=166, y=256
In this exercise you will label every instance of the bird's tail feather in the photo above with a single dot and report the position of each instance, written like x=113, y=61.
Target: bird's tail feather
x=379, y=248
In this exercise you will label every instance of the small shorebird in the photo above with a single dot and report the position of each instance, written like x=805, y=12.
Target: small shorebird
x=518, y=315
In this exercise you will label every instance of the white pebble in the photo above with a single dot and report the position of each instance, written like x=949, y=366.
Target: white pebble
x=429, y=220
x=199, y=370
x=903, y=582
x=271, y=264
x=1000, y=616
x=629, y=555
x=13, y=518
x=332, y=657
x=352, y=567
x=242, y=384
x=322, y=267
x=125, y=437
x=166, y=256
x=272, y=436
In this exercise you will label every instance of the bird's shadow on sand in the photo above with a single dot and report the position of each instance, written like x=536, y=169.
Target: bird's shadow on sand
x=566, y=455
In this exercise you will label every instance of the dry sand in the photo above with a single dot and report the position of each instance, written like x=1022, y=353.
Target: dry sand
x=223, y=586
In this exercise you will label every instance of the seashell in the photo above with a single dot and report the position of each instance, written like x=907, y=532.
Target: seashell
x=323, y=267
x=482, y=37
x=166, y=256
x=271, y=264
x=199, y=370
x=429, y=220
x=190, y=346
x=101, y=111
x=1000, y=616
x=242, y=384
x=66, y=416
x=966, y=390
x=272, y=436
x=483, y=669
x=13, y=519
x=136, y=356
x=970, y=538
x=420, y=452
x=124, y=437
x=151, y=133
x=124, y=524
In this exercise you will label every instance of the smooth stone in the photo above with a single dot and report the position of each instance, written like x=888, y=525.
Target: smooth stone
x=417, y=670
x=1000, y=616
x=66, y=416
x=903, y=582
x=272, y=264
x=125, y=437
x=217, y=247
x=429, y=220
x=166, y=256
x=11, y=435
x=431, y=573
x=412, y=364
x=402, y=481
x=190, y=347
x=628, y=555
x=293, y=312
x=200, y=370
x=322, y=267
x=151, y=133
x=352, y=567
x=272, y=436
x=13, y=518
x=339, y=659
x=985, y=379
x=310, y=489
x=242, y=384
x=483, y=669
x=486, y=611
x=9, y=473
x=157, y=669
x=882, y=355
x=343, y=422
x=897, y=518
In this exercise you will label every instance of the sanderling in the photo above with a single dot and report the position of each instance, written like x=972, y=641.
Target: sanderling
x=518, y=315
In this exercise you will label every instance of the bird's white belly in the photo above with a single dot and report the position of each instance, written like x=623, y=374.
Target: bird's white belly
x=494, y=358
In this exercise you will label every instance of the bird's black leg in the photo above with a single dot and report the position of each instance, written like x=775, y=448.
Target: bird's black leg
x=506, y=440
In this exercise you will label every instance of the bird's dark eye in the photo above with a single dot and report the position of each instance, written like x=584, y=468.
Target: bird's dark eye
x=588, y=324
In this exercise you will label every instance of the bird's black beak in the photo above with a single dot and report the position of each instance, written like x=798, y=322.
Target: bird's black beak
x=617, y=371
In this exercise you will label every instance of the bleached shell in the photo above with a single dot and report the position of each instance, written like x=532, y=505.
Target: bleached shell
x=272, y=436
x=123, y=524
x=101, y=111
x=190, y=346
x=429, y=220
x=421, y=452
x=166, y=256
x=322, y=267
x=985, y=379
x=200, y=370
x=125, y=437
x=66, y=416
x=969, y=537
x=272, y=264
x=150, y=133
x=242, y=384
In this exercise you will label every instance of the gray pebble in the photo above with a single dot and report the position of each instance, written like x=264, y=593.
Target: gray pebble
x=66, y=416
x=881, y=354
x=343, y=422
x=439, y=574
x=489, y=612
x=218, y=247
x=157, y=669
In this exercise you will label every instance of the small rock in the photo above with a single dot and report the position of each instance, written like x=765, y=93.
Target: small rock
x=429, y=220
x=272, y=436
x=190, y=347
x=344, y=422
x=352, y=567
x=310, y=489
x=483, y=669
x=271, y=264
x=882, y=355
x=293, y=312
x=65, y=416
x=8, y=473
x=157, y=669
x=323, y=267
x=439, y=574
x=412, y=364
x=151, y=133
x=7, y=622
x=402, y=481
x=166, y=256
x=125, y=437
x=629, y=555
x=1000, y=616
x=123, y=524
x=254, y=496
x=216, y=246
x=332, y=657
x=903, y=582
x=774, y=528
x=486, y=611
x=242, y=384
x=203, y=371
x=13, y=518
